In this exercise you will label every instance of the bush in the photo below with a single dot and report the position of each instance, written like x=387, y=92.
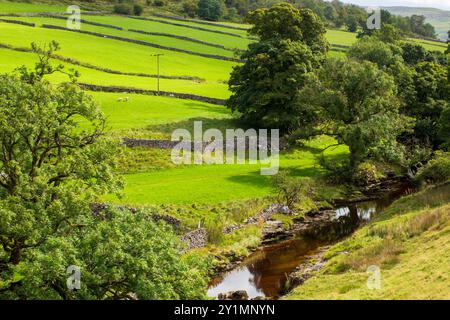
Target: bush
x=436, y=170
x=137, y=9
x=366, y=173
x=210, y=9
x=190, y=8
x=159, y=3
x=214, y=228
x=289, y=189
x=122, y=8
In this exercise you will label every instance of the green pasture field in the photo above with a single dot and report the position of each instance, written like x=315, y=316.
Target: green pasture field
x=159, y=40
x=431, y=45
x=22, y=7
x=117, y=55
x=12, y=59
x=242, y=33
x=210, y=184
x=143, y=110
x=215, y=38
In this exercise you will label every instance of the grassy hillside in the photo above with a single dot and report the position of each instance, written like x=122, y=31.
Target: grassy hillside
x=409, y=242
x=440, y=19
x=150, y=176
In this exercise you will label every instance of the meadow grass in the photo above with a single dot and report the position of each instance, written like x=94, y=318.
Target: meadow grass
x=159, y=40
x=22, y=7
x=215, y=183
x=142, y=110
x=152, y=26
x=12, y=59
x=431, y=45
x=242, y=33
x=118, y=55
x=340, y=37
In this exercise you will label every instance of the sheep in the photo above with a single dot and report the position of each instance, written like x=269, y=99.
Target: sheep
x=119, y=100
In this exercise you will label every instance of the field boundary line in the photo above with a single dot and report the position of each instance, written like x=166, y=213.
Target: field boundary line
x=187, y=96
x=187, y=26
x=144, y=43
x=106, y=70
x=199, y=22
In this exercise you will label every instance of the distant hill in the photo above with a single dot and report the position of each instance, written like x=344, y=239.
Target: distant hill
x=440, y=19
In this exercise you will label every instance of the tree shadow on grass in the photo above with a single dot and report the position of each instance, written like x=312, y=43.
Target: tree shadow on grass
x=221, y=110
x=252, y=178
x=207, y=123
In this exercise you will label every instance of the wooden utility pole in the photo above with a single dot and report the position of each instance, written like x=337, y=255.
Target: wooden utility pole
x=157, y=55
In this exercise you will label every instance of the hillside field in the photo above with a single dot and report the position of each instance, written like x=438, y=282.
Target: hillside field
x=201, y=71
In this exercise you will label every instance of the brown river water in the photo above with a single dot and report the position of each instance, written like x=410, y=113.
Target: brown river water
x=264, y=272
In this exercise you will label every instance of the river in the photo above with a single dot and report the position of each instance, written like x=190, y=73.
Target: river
x=264, y=272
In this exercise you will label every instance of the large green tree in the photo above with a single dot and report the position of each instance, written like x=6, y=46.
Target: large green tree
x=51, y=171
x=210, y=9
x=356, y=103
x=265, y=88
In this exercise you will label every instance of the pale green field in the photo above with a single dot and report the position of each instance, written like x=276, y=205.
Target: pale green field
x=159, y=40
x=20, y=7
x=218, y=183
x=117, y=55
x=143, y=110
x=12, y=59
x=129, y=23
x=431, y=45
x=242, y=33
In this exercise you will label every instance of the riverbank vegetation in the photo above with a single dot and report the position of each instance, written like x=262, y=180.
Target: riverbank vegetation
x=408, y=243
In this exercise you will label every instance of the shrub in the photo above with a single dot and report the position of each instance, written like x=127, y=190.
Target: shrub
x=210, y=9
x=437, y=170
x=122, y=8
x=214, y=228
x=159, y=3
x=366, y=173
x=190, y=8
x=137, y=9
x=289, y=189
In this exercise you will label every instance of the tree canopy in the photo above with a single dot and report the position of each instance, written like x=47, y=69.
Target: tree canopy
x=51, y=172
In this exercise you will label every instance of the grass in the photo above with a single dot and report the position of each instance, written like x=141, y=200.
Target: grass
x=117, y=21
x=22, y=7
x=216, y=183
x=141, y=110
x=118, y=55
x=11, y=59
x=242, y=33
x=409, y=242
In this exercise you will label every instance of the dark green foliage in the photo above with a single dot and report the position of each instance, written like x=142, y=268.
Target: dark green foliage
x=357, y=104
x=265, y=88
x=51, y=171
x=285, y=22
x=210, y=9
x=190, y=8
x=290, y=190
x=137, y=9
x=123, y=8
x=437, y=169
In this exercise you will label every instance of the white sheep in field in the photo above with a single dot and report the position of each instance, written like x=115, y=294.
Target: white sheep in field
x=126, y=99
x=119, y=100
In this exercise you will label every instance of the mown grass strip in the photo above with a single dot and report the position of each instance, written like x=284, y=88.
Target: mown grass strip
x=144, y=43
x=93, y=87
x=162, y=34
x=213, y=24
x=187, y=26
x=107, y=70
x=24, y=23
